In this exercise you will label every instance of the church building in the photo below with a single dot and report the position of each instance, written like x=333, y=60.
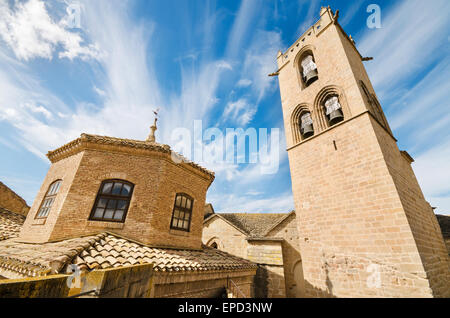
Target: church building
x=361, y=225
x=108, y=203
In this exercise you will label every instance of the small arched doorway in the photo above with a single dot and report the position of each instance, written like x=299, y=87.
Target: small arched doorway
x=299, y=279
x=215, y=242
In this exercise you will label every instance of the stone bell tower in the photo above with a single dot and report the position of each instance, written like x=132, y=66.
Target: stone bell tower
x=365, y=227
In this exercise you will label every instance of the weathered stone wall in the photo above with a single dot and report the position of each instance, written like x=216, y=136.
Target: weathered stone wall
x=447, y=243
x=122, y=282
x=40, y=287
x=127, y=282
x=277, y=258
x=361, y=233
x=419, y=215
x=208, y=284
x=291, y=254
x=269, y=255
x=227, y=237
x=39, y=230
x=157, y=180
x=11, y=201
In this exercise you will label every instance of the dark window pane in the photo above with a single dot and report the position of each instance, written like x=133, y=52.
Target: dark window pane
x=48, y=202
x=126, y=190
x=58, y=185
x=117, y=188
x=112, y=204
x=54, y=188
x=186, y=216
x=43, y=212
x=118, y=215
x=102, y=203
x=121, y=204
x=107, y=187
x=108, y=214
x=99, y=213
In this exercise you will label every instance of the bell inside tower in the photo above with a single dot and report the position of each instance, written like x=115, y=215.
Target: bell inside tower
x=306, y=125
x=333, y=110
x=309, y=70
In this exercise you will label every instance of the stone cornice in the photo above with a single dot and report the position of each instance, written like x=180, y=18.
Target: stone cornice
x=129, y=146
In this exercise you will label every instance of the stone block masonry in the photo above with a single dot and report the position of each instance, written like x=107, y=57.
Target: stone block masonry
x=365, y=229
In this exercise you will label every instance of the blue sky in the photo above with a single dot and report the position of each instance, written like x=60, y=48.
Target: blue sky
x=207, y=60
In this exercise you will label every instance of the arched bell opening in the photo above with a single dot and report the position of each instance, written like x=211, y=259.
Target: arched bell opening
x=302, y=123
x=308, y=69
x=306, y=125
x=333, y=110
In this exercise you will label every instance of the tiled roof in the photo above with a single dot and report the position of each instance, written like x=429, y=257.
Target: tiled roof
x=107, y=251
x=10, y=224
x=253, y=224
x=444, y=223
x=85, y=139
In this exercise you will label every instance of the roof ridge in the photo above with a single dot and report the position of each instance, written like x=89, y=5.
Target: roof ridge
x=59, y=263
x=279, y=222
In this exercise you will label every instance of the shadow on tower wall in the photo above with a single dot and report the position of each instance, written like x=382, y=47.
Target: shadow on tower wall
x=261, y=285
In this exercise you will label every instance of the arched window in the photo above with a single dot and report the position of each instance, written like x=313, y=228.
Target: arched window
x=375, y=106
x=49, y=198
x=308, y=69
x=113, y=201
x=333, y=110
x=301, y=123
x=182, y=212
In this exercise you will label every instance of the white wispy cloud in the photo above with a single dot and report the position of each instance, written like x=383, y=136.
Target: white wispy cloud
x=30, y=32
x=427, y=100
x=130, y=94
x=310, y=13
x=431, y=168
x=404, y=45
x=249, y=204
x=260, y=61
x=248, y=11
x=240, y=112
x=244, y=82
x=351, y=11
x=130, y=89
x=410, y=72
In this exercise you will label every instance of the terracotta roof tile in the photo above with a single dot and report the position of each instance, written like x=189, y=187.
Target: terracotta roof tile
x=253, y=224
x=10, y=224
x=92, y=252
